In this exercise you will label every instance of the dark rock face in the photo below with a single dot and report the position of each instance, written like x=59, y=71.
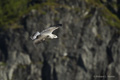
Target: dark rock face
x=87, y=48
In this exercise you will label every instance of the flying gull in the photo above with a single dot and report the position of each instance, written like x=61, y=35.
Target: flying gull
x=47, y=33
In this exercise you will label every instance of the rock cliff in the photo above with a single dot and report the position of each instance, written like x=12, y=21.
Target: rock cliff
x=87, y=48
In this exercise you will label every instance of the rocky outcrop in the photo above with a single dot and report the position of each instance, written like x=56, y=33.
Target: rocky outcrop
x=87, y=48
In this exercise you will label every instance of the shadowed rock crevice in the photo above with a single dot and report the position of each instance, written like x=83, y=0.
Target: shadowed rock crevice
x=3, y=48
x=118, y=5
x=55, y=75
x=109, y=55
x=46, y=71
x=81, y=63
x=109, y=47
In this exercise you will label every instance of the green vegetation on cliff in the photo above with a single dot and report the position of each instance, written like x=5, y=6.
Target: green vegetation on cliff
x=110, y=18
x=12, y=10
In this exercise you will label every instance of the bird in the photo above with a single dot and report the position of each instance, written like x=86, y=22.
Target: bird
x=47, y=33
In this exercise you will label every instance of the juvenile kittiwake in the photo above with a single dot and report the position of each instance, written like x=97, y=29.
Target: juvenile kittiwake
x=47, y=33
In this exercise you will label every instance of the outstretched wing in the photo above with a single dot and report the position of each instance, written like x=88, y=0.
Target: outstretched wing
x=39, y=39
x=51, y=29
x=35, y=35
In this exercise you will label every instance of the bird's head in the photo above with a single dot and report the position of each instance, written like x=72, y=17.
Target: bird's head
x=55, y=36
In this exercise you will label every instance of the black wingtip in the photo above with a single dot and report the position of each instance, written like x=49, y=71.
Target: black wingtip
x=57, y=25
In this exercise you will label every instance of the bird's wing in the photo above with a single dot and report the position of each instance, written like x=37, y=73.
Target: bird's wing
x=51, y=29
x=35, y=35
x=39, y=39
